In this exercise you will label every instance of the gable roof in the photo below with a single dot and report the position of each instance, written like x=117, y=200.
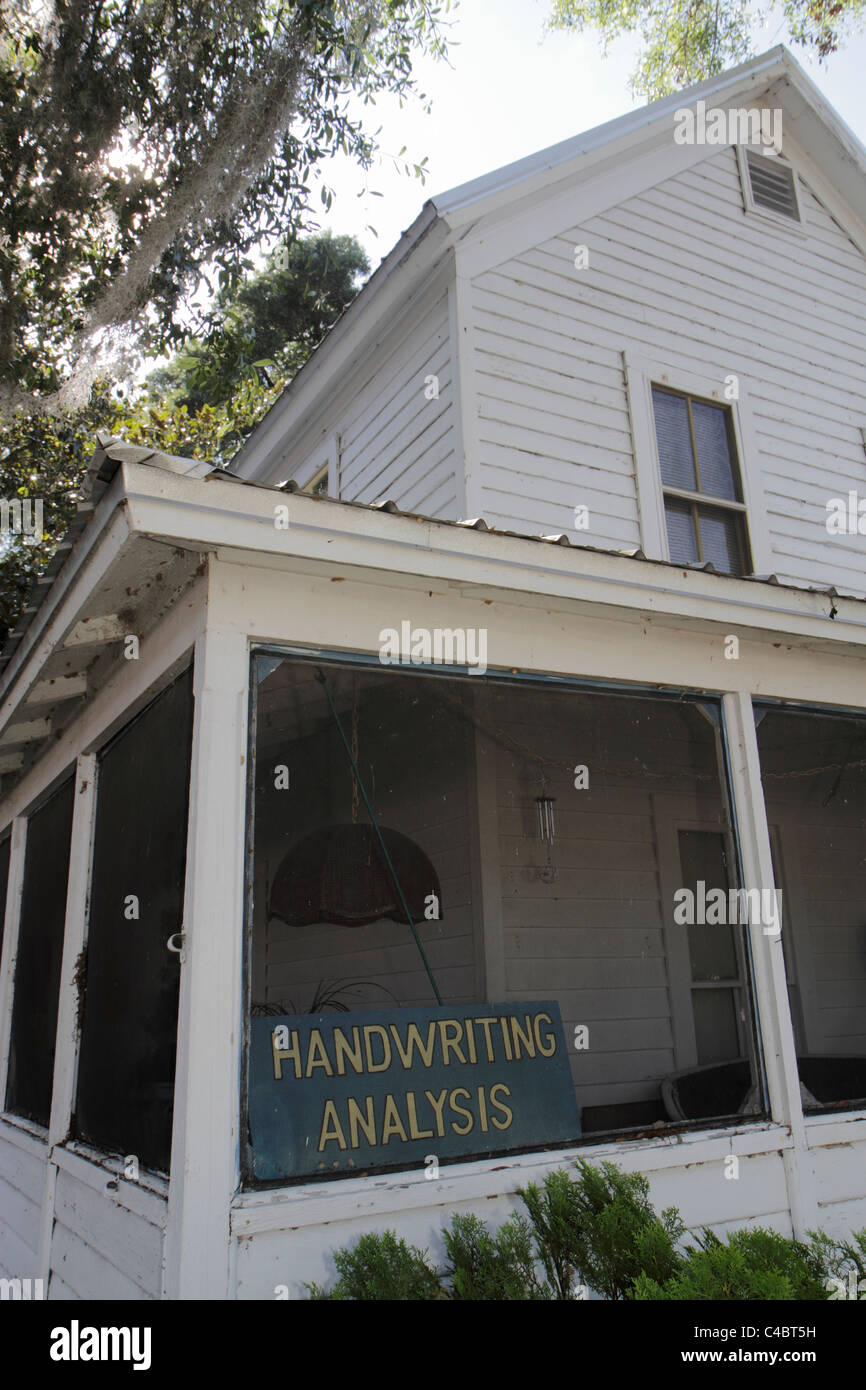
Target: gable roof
x=453, y=217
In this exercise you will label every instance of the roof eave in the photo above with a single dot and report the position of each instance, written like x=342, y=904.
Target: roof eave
x=258, y=450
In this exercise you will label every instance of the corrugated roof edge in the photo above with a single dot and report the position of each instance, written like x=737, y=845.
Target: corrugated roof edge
x=108, y=455
x=111, y=453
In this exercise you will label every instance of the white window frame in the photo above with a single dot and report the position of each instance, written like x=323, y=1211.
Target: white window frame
x=753, y=209
x=642, y=374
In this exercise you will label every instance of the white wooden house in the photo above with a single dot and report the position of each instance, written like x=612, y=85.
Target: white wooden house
x=559, y=536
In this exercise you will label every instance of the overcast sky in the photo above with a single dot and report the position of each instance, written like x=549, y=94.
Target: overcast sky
x=510, y=90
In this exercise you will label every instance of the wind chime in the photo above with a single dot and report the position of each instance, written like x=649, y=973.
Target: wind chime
x=547, y=832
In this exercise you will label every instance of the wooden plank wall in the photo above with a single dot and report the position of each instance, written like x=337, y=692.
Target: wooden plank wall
x=22, y=1180
x=680, y=275
x=395, y=442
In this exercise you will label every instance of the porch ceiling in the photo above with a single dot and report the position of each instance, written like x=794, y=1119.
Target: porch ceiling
x=81, y=647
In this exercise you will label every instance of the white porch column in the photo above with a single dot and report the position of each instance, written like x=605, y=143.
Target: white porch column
x=14, y=890
x=68, y=1034
x=205, y=1140
x=771, y=989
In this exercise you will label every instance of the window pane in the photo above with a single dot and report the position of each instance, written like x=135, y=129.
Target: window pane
x=126, y=1071
x=711, y=945
x=40, y=955
x=714, y=450
x=813, y=768
x=674, y=440
x=721, y=539
x=681, y=532
x=478, y=774
x=715, y=1025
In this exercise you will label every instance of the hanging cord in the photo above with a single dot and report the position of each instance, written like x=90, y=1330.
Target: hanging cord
x=321, y=679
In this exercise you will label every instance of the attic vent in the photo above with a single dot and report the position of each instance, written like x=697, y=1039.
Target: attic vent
x=772, y=185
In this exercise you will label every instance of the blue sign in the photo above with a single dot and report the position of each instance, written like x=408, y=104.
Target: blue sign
x=343, y=1093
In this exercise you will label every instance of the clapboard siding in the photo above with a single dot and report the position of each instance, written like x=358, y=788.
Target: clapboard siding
x=99, y=1247
x=755, y=1199
x=394, y=441
x=679, y=275
x=85, y=1272
x=21, y=1190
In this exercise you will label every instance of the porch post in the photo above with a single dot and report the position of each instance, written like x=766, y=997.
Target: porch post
x=15, y=885
x=205, y=1139
x=774, y=1011
x=68, y=1029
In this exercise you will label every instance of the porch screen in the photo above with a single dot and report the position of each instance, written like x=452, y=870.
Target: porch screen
x=5, y=847
x=813, y=767
x=39, y=957
x=552, y=842
x=129, y=1027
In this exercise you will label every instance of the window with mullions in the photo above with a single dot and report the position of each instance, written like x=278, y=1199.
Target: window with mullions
x=703, y=499
x=573, y=896
x=39, y=958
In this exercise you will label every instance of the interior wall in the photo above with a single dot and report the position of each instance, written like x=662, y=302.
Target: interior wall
x=414, y=764
x=815, y=787
x=601, y=938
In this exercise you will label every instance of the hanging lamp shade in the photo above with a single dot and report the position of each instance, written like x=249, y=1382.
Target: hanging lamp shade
x=339, y=874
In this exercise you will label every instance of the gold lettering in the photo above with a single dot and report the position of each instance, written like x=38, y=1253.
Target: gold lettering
x=470, y=1040
x=414, y=1131
x=413, y=1041
x=327, y=1135
x=317, y=1044
x=499, y=1106
x=486, y=1024
x=506, y=1039
x=482, y=1109
x=525, y=1038
x=343, y=1050
x=551, y=1037
x=460, y=1110
x=356, y=1121
x=452, y=1043
x=438, y=1104
x=391, y=1122
x=377, y=1029
x=283, y=1054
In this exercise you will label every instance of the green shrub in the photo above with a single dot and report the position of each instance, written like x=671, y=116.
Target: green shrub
x=382, y=1268
x=841, y=1258
x=484, y=1266
x=752, y=1264
x=551, y=1211
x=602, y=1227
